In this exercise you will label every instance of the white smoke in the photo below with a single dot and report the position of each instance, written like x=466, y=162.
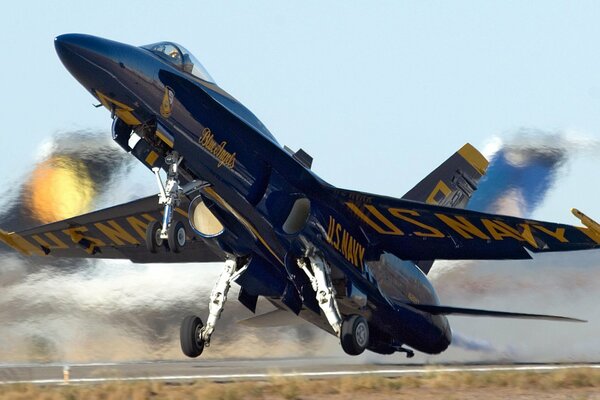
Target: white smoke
x=553, y=283
x=472, y=344
x=120, y=311
x=561, y=284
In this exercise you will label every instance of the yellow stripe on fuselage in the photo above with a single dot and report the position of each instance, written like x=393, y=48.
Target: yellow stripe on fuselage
x=164, y=138
x=244, y=221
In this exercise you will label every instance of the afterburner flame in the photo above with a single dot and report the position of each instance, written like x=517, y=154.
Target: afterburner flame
x=60, y=188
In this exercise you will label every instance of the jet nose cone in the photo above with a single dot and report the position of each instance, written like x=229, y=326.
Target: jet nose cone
x=66, y=41
x=75, y=43
x=63, y=41
x=73, y=51
x=86, y=57
x=62, y=44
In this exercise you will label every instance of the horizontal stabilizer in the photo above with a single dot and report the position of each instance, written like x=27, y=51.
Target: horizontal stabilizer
x=445, y=310
x=272, y=319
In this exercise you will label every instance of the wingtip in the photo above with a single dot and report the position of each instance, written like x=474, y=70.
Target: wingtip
x=584, y=321
x=17, y=242
x=568, y=319
x=5, y=237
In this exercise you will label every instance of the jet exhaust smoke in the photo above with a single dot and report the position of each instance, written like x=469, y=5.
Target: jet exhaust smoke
x=471, y=344
x=73, y=172
x=524, y=169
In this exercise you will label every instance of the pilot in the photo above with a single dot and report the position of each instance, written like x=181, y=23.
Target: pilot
x=175, y=54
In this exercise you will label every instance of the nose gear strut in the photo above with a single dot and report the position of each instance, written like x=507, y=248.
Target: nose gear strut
x=169, y=194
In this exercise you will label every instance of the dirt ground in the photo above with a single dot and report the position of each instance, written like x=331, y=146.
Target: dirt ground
x=468, y=394
x=578, y=384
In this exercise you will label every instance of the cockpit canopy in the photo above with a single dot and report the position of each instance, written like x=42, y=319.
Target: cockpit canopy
x=180, y=58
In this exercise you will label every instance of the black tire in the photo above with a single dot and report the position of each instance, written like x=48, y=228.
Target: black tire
x=153, y=240
x=354, y=335
x=177, y=236
x=189, y=336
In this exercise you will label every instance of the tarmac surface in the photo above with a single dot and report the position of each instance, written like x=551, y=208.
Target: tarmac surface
x=237, y=370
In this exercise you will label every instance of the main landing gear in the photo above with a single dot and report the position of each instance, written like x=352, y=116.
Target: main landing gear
x=353, y=330
x=354, y=335
x=170, y=196
x=194, y=336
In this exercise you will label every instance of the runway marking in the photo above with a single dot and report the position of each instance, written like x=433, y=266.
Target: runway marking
x=61, y=365
x=309, y=374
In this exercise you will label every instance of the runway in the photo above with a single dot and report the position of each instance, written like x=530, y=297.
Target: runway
x=238, y=370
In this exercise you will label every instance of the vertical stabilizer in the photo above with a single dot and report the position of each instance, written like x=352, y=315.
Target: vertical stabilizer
x=451, y=184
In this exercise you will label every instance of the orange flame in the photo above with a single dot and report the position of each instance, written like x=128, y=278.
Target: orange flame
x=60, y=188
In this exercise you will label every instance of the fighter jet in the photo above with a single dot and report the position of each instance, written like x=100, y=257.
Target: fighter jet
x=355, y=264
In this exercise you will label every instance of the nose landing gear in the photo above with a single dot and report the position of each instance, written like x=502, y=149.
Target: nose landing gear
x=153, y=239
x=169, y=196
x=176, y=236
x=353, y=330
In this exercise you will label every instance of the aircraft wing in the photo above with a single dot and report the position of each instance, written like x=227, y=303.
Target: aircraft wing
x=419, y=231
x=117, y=232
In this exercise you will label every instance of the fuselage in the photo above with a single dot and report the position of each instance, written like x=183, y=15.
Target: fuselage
x=254, y=187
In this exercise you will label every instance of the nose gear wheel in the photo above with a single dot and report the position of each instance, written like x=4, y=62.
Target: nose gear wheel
x=153, y=239
x=176, y=236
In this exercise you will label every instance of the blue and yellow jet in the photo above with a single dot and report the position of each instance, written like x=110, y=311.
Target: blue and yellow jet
x=355, y=264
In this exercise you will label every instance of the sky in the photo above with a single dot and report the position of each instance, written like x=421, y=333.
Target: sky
x=379, y=93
